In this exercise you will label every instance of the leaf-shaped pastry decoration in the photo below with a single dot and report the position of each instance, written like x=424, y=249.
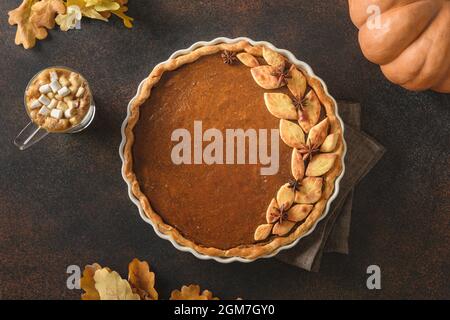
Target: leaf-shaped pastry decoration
x=280, y=105
x=318, y=133
x=255, y=51
x=272, y=212
x=299, y=212
x=273, y=58
x=142, y=280
x=297, y=165
x=263, y=76
x=311, y=113
x=111, y=286
x=247, y=59
x=263, y=232
x=192, y=292
x=320, y=164
x=330, y=143
x=281, y=229
x=297, y=82
x=310, y=190
x=292, y=134
x=285, y=197
x=87, y=282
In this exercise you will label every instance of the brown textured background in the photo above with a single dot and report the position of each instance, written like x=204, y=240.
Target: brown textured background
x=64, y=202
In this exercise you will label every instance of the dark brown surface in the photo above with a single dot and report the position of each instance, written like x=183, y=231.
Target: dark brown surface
x=227, y=201
x=64, y=202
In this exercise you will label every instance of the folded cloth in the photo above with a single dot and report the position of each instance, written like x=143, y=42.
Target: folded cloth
x=332, y=233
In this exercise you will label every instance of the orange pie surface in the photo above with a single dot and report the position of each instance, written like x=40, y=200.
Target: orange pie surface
x=214, y=205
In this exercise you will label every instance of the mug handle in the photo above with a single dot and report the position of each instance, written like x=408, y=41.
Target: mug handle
x=29, y=136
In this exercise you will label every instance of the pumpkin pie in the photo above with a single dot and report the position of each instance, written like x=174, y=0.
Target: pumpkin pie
x=239, y=205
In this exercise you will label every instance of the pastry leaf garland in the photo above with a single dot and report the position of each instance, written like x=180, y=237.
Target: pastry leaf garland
x=102, y=283
x=34, y=18
x=312, y=146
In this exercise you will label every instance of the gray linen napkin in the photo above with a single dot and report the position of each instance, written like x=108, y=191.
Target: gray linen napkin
x=331, y=234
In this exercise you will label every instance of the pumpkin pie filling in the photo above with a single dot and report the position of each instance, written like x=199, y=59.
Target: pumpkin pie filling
x=218, y=205
x=190, y=157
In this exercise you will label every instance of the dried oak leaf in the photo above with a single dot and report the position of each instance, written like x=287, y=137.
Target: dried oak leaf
x=27, y=31
x=87, y=282
x=111, y=286
x=43, y=13
x=142, y=281
x=192, y=292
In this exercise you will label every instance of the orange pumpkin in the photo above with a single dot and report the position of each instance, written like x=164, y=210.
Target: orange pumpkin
x=409, y=39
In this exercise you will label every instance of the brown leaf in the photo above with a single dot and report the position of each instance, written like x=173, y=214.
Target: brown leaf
x=297, y=83
x=330, y=143
x=87, y=282
x=310, y=190
x=191, y=292
x=247, y=59
x=281, y=229
x=320, y=164
x=318, y=133
x=43, y=13
x=280, y=105
x=27, y=32
x=285, y=196
x=263, y=76
x=297, y=165
x=291, y=134
x=299, y=212
x=311, y=113
x=142, y=281
x=273, y=58
x=263, y=232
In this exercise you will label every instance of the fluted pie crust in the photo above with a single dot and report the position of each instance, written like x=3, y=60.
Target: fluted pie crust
x=274, y=242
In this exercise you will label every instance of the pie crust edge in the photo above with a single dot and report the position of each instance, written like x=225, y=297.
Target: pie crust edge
x=252, y=251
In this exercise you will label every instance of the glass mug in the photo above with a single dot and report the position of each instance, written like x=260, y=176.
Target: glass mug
x=33, y=133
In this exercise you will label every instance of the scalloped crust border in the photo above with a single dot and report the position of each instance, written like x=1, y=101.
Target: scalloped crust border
x=245, y=251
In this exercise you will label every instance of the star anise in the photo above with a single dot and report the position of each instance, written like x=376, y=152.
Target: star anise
x=228, y=57
x=300, y=104
x=308, y=151
x=282, y=74
x=295, y=184
x=281, y=214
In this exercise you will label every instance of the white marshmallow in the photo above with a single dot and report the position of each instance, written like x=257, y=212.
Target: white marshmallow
x=56, y=113
x=80, y=92
x=44, y=111
x=53, y=76
x=55, y=86
x=69, y=113
x=45, y=89
x=64, y=91
x=52, y=104
x=35, y=104
x=44, y=100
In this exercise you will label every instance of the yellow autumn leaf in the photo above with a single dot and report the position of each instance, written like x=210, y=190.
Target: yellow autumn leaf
x=111, y=286
x=103, y=5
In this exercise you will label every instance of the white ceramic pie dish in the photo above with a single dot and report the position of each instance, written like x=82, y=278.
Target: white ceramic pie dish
x=293, y=60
